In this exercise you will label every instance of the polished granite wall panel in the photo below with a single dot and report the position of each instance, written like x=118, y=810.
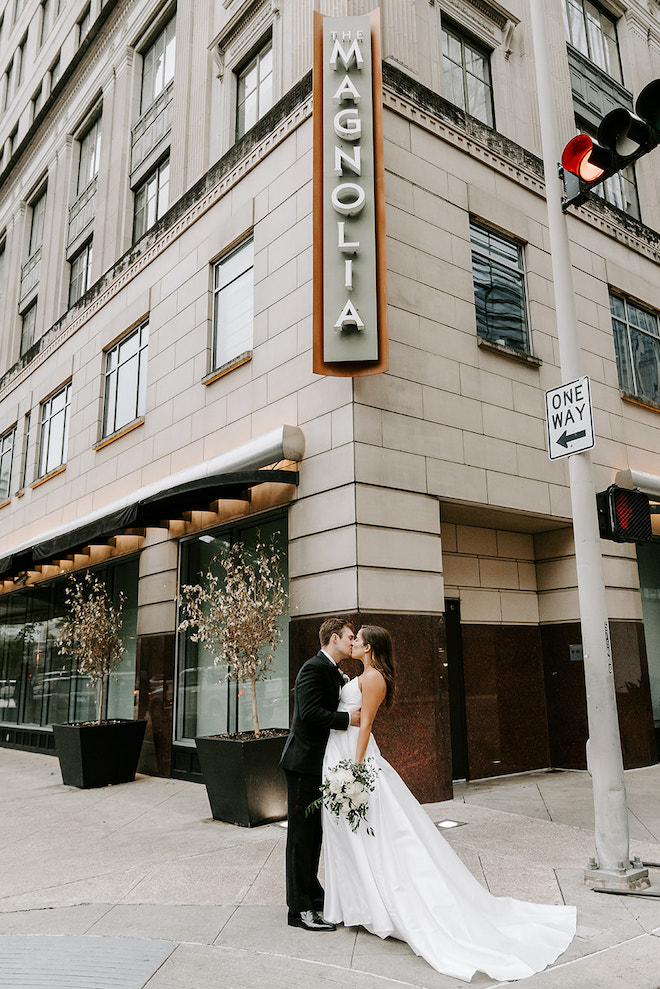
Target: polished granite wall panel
x=414, y=734
x=633, y=694
x=566, y=695
x=504, y=700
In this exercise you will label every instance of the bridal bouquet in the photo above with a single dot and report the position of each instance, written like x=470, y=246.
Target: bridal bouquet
x=345, y=790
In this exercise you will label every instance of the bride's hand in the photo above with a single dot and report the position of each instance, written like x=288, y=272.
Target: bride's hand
x=355, y=717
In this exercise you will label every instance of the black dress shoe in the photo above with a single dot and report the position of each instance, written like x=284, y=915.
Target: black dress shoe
x=310, y=920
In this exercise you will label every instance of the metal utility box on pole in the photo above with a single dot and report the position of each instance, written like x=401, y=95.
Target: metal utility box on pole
x=604, y=760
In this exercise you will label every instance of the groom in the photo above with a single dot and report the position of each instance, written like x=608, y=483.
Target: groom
x=314, y=714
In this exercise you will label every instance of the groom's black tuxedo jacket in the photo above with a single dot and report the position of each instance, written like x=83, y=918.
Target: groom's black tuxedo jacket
x=314, y=713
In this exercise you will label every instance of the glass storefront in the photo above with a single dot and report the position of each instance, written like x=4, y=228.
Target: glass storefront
x=208, y=704
x=40, y=687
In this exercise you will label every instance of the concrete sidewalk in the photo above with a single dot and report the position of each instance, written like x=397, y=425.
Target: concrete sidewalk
x=135, y=887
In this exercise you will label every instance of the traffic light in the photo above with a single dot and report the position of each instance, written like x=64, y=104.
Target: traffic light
x=623, y=137
x=624, y=515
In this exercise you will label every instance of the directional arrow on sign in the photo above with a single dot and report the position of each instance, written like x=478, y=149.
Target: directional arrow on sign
x=567, y=438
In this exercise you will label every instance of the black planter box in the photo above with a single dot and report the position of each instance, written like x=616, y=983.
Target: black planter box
x=244, y=782
x=98, y=755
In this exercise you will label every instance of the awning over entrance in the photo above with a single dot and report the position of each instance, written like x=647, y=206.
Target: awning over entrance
x=228, y=476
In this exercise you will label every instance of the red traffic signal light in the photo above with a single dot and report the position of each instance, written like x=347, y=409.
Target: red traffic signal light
x=586, y=159
x=623, y=137
x=624, y=515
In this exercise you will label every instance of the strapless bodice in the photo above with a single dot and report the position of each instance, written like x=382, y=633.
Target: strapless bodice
x=350, y=696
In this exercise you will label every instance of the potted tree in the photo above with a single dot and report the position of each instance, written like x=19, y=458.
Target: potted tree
x=95, y=753
x=236, y=616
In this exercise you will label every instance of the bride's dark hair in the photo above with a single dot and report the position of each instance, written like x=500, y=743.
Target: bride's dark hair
x=382, y=656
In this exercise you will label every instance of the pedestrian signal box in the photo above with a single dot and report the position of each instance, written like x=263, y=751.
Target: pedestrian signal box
x=624, y=515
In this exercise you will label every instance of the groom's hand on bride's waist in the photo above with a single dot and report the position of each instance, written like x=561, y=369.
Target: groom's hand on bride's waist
x=355, y=717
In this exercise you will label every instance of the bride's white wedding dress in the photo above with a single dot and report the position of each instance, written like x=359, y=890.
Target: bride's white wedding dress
x=406, y=881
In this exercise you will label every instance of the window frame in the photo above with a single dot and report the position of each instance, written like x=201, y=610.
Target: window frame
x=161, y=187
x=7, y=452
x=113, y=380
x=37, y=221
x=84, y=23
x=45, y=466
x=227, y=357
x=631, y=388
x=498, y=263
x=150, y=74
x=464, y=39
x=81, y=274
x=255, y=60
x=29, y=313
x=89, y=144
x=586, y=40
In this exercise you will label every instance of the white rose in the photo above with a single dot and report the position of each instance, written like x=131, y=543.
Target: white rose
x=360, y=799
x=344, y=776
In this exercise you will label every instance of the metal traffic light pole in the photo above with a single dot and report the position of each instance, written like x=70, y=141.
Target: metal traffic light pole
x=613, y=868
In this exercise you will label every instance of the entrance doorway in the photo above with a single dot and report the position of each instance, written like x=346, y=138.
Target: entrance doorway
x=456, y=683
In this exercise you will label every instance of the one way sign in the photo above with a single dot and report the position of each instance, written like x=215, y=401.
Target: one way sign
x=569, y=418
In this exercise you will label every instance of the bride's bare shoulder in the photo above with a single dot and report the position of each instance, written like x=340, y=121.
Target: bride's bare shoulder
x=373, y=681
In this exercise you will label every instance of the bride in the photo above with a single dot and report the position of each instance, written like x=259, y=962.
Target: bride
x=404, y=880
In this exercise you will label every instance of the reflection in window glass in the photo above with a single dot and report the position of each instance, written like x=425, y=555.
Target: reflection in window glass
x=158, y=65
x=592, y=32
x=81, y=273
x=29, y=328
x=38, y=686
x=90, y=149
x=54, y=431
x=637, y=345
x=466, y=75
x=207, y=704
x=499, y=288
x=255, y=90
x=6, y=462
x=126, y=380
x=233, y=305
x=151, y=199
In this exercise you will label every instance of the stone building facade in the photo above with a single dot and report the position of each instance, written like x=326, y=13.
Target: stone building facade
x=156, y=218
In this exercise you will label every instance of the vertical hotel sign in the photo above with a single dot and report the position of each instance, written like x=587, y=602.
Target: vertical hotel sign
x=350, y=301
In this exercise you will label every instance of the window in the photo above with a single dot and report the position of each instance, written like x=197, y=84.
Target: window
x=8, y=77
x=255, y=90
x=49, y=11
x=158, y=65
x=18, y=9
x=13, y=138
x=206, y=701
x=126, y=380
x=37, y=223
x=3, y=244
x=151, y=199
x=20, y=59
x=37, y=101
x=90, y=149
x=81, y=272
x=83, y=26
x=55, y=72
x=466, y=75
x=26, y=450
x=54, y=431
x=233, y=305
x=637, y=345
x=593, y=32
x=28, y=327
x=6, y=462
x=499, y=288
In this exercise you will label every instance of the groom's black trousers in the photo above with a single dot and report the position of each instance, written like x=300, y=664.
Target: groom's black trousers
x=303, y=844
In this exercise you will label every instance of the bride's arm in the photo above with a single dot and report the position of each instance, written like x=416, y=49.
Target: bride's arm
x=374, y=690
